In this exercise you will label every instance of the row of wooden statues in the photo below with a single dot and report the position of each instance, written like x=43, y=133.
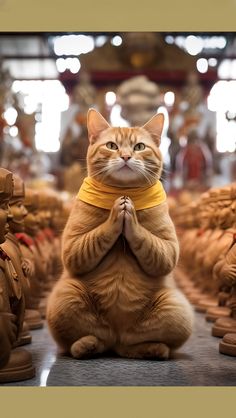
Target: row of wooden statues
x=207, y=267
x=31, y=223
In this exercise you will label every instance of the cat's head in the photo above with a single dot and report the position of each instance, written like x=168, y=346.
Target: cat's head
x=121, y=156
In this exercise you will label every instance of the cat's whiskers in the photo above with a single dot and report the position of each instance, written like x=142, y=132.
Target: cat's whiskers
x=146, y=172
x=98, y=172
x=139, y=170
x=151, y=173
x=155, y=165
x=104, y=170
x=158, y=169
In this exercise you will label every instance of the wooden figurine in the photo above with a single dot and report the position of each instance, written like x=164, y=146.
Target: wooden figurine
x=10, y=246
x=45, y=237
x=24, y=265
x=222, y=310
x=227, y=275
x=196, y=250
x=35, y=250
x=218, y=245
x=29, y=249
x=15, y=364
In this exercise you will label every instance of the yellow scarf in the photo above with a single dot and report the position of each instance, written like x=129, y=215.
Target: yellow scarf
x=103, y=196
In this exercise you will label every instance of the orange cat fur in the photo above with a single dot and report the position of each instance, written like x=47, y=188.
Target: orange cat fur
x=116, y=292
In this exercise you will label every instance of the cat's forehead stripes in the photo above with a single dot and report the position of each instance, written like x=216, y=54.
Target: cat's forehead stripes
x=125, y=136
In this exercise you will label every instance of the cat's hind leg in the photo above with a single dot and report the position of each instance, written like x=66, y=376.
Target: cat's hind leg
x=149, y=350
x=74, y=322
x=164, y=326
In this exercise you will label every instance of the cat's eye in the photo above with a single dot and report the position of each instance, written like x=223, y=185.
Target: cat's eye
x=139, y=147
x=111, y=145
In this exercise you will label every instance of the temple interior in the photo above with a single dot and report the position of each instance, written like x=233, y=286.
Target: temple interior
x=49, y=82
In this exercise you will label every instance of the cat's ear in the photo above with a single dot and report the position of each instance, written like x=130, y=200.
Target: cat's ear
x=155, y=126
x=95, y=124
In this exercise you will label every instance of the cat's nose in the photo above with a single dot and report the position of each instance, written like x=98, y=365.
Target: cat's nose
x=126, y=157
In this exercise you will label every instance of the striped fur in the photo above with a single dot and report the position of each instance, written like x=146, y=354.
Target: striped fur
x=116, y=291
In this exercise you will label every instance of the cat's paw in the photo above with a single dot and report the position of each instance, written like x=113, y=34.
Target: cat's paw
x=130, y=219
x=116, y=218
x=159, y=351
x=86, y=347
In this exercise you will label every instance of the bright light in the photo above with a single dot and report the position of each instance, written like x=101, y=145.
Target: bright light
x=193, y=44
x=48, y=130
x=218, y=97
x=227, y=69
x=180, y=41
x=51, y=97
x=110, y=98
x=233, y=70
x=100, y=40
x=226, y=134
x=73, y=64
x=169, y=39
x=16, y=85
x=202, y=65
x=214, y=42
x=116, y=41
x=44, y=377
x=73, y=44
x=169, y=98
x=183, y=141
x=31, y=104
x=46, y=367
x=10, y=115
x=61, y=65
x=224, y=69
x=222, y=100
x=212, y=62
x=13, y=131
x=222, y=42
x=116, y=118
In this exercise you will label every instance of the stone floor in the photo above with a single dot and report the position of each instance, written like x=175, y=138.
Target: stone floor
x=197, y=363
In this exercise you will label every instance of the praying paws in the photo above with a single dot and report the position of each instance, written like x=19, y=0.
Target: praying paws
x=130, y=219
x=123, y=218
x=116, y=218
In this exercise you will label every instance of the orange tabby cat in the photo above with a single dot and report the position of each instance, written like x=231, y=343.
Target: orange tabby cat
x=116, y=291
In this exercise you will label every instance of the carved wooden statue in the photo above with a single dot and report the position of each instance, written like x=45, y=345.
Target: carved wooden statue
x=34, y=250
x=218, y=245
x=23, y=265
x=29, y=249
x=227, y=325
x=15, y=364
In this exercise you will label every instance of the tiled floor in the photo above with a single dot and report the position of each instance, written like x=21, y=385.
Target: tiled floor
x=197, y=363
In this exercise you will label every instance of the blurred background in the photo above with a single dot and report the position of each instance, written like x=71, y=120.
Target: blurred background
x=48, y=81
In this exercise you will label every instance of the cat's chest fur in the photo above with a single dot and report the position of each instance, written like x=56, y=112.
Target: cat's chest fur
x=119, y=280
